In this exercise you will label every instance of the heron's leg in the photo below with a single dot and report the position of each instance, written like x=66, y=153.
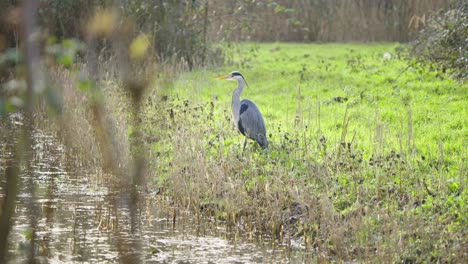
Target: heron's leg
x=245, y=143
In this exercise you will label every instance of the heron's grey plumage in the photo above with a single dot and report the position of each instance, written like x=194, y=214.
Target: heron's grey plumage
x=251, y=123
x=246, y=115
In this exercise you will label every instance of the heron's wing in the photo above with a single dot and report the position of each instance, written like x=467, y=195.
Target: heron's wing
x=251, y=122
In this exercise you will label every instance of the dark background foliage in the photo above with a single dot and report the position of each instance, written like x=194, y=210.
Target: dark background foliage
x=320, y=20
x=183, y=31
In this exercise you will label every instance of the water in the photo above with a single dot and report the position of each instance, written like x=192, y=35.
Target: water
x=81, y=218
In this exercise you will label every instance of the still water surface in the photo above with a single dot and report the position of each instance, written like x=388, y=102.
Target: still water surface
x=79, y=220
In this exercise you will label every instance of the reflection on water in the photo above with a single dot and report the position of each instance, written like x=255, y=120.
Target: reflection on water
x=80, y=221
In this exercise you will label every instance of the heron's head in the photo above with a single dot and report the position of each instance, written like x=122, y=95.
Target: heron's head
x=233, y=76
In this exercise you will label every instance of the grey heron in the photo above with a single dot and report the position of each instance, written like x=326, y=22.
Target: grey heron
x=245, y=113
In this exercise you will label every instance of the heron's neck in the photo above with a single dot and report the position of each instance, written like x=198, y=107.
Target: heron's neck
x=236, y=100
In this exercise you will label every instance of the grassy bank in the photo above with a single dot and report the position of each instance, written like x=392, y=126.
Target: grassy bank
x=367, y=154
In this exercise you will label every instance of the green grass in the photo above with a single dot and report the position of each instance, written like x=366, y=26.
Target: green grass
x=288, y=80
x=378, y=177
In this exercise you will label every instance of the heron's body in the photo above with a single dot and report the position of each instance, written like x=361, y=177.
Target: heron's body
x=245, y=114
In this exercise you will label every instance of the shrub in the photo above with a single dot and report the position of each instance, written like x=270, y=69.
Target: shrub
x=443, y=41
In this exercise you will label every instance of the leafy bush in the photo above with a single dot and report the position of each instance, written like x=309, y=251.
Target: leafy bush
x=444, y=41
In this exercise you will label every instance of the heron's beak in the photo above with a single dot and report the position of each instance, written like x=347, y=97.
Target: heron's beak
x=222, y=77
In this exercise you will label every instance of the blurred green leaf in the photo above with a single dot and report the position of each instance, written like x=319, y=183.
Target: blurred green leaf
x=69, y=44
x=83, y=83
x=65, y=61
x=51, y=40
x=64, y=53
x=279, y=8
x=10, y=55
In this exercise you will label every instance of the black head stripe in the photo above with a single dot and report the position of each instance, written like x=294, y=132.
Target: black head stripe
x=236, y=73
